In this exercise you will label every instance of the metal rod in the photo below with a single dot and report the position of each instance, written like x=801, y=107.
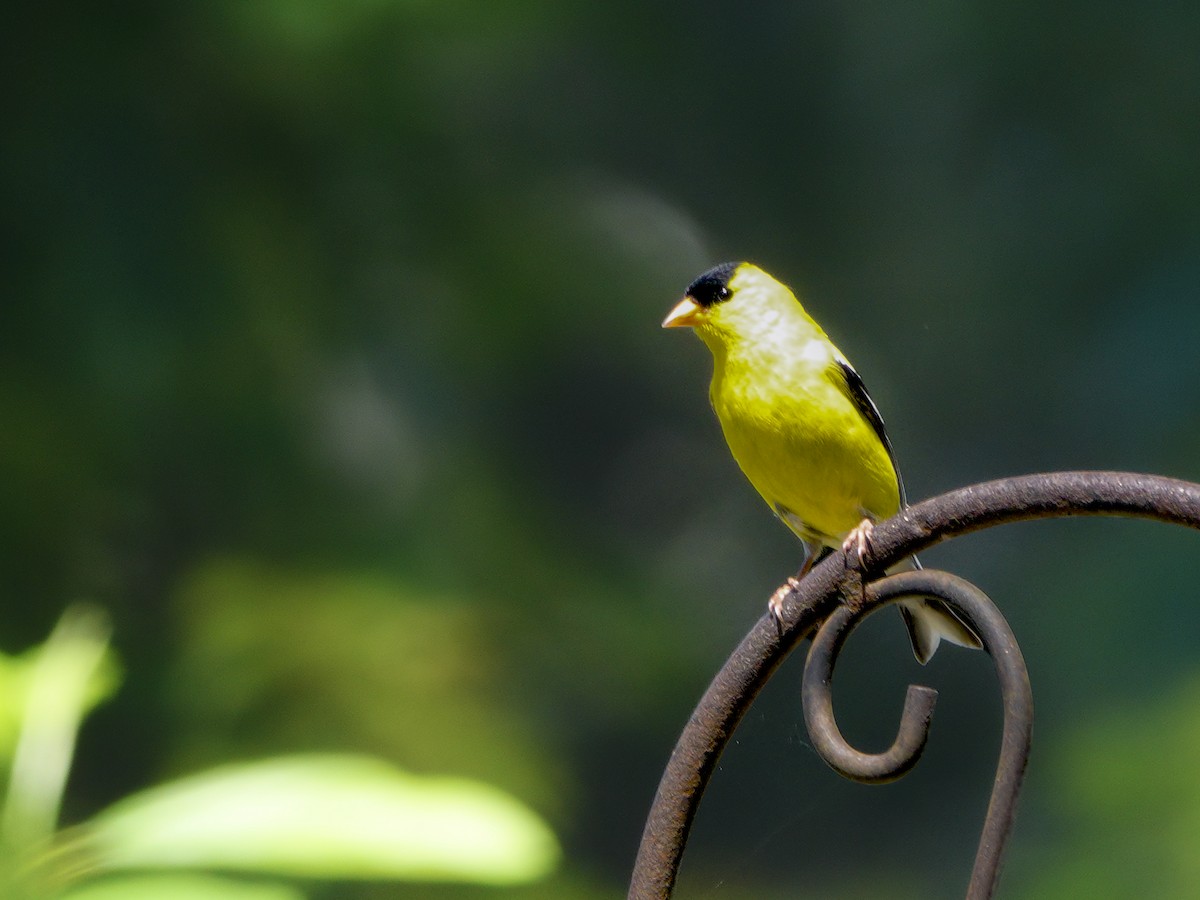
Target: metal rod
x=974, y=606
x=959, y=512
x=827, y=740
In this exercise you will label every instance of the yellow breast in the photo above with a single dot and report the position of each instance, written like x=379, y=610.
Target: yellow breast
x=802, y=442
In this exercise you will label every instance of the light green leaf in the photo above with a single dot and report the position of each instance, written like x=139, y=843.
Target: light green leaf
x=181, y=887
x=50, y=692
x=13, y=688
x=328, y=816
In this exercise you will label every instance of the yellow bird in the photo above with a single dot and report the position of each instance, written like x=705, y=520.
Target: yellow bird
x=802, y=427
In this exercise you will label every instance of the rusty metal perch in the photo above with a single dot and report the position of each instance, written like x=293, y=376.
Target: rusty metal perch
x=815, y=607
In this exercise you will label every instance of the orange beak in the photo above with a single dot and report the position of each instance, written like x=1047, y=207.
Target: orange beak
x=687, y=312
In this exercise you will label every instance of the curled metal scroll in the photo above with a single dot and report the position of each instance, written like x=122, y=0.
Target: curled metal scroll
x=733, y=689
x=981, y=614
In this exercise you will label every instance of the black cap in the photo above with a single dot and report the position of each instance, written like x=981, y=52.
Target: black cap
x=713, y=286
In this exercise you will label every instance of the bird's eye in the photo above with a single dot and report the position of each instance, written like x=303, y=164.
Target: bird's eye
x=724, y=294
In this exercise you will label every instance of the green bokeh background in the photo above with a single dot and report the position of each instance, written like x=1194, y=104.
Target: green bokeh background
x=330, y=365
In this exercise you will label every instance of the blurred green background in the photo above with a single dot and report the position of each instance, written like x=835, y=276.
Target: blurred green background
x=331, y=368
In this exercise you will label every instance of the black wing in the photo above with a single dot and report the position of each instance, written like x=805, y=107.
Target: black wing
x=857, y=392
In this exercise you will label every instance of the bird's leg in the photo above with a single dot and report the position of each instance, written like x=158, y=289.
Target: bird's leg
x=775, y=604
x=855, y=547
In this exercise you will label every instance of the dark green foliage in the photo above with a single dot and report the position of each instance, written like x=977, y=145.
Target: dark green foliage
x=330, y=365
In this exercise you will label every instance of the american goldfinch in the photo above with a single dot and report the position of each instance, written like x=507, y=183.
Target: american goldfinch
x=802, y=427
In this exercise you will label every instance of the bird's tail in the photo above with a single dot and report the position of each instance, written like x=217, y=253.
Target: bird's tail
x=929, y=621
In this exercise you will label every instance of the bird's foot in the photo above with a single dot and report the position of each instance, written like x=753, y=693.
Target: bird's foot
x=858, y=543
x=775, y=604
x=855, y=547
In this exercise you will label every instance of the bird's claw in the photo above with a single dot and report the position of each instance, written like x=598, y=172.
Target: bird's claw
x=775, y=604
x=855, y=547
x=858, y=543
